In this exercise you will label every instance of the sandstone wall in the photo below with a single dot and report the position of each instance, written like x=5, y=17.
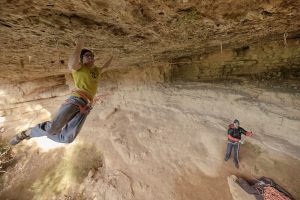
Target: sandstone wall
x=266, y=61
x=13, y=93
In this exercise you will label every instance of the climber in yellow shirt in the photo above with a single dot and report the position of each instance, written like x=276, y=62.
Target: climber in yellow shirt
x=68, y=121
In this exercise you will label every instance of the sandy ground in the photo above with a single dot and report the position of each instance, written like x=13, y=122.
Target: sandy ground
x=159, y=142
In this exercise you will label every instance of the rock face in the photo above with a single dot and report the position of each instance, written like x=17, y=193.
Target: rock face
x=263, y=61
x=163, y=141
x=182, y=71
x=37, y=36
x=166, y=40
x=236, y=191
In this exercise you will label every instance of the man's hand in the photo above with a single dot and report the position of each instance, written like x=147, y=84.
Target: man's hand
x=79, y=42
x=74, y=60
x=249, y=133
x=101, y=97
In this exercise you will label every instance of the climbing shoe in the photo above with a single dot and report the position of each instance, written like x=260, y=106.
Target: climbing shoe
x=19, y=137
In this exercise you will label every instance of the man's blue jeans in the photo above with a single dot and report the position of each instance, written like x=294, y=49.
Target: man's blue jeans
x=236, y=148
x=66, y=125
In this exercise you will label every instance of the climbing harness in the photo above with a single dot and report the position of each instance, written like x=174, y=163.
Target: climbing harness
x=84, y=109
x=90, y=102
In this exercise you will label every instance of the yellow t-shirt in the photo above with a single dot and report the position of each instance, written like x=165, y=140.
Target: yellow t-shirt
x=86, y=79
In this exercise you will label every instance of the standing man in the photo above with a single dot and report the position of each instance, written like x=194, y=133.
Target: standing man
x=67, y=123
x=234, y=136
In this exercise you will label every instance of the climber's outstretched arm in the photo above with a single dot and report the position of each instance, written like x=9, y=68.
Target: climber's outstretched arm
x=106, y=64
x=74, y=60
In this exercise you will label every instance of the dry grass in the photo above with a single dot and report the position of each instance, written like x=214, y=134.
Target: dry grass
x=6, y=156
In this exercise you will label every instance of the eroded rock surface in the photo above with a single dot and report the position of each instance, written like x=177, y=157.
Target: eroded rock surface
x=182, y=71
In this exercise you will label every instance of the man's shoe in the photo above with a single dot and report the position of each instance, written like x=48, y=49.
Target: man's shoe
x=19, y=137
x=237, y=165
x=225, y=159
